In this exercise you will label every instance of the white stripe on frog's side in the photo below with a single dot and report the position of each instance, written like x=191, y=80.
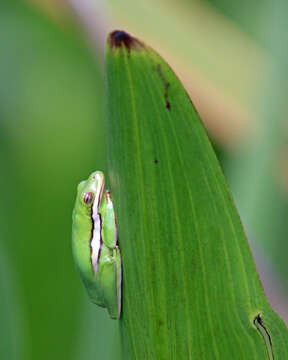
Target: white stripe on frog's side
x=96, y=240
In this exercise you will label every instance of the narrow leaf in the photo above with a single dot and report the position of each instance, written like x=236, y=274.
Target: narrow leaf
x=190, y=287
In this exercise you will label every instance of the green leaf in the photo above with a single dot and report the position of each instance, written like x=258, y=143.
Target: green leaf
x=190, y=287
x=51, y=115
x=13, y=327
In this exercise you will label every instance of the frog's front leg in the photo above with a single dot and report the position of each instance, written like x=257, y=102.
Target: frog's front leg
x=109, y=226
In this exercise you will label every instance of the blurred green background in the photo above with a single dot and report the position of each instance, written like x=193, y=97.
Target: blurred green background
x=232, y=58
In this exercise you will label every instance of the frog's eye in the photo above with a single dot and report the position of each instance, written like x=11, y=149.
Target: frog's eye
x=87, y=198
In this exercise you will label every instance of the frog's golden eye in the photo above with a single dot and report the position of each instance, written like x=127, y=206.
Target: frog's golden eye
x=87, y=198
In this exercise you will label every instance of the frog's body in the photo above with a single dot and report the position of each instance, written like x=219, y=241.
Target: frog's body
x=94, y=242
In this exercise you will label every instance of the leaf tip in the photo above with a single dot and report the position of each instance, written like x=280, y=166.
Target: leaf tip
x=119, y=38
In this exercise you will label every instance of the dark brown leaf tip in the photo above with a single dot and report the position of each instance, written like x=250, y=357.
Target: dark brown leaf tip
x=119, y=38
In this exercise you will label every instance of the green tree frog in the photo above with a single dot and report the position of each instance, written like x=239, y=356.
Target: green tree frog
x=94, y=242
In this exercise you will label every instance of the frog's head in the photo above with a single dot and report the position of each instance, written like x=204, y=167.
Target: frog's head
x=89, y=192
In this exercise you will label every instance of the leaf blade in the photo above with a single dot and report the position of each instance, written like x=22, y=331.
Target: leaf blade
x=188, y=274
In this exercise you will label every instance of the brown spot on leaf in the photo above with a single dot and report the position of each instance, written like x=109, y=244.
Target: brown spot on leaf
x=166, y=86
x=119, y=38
